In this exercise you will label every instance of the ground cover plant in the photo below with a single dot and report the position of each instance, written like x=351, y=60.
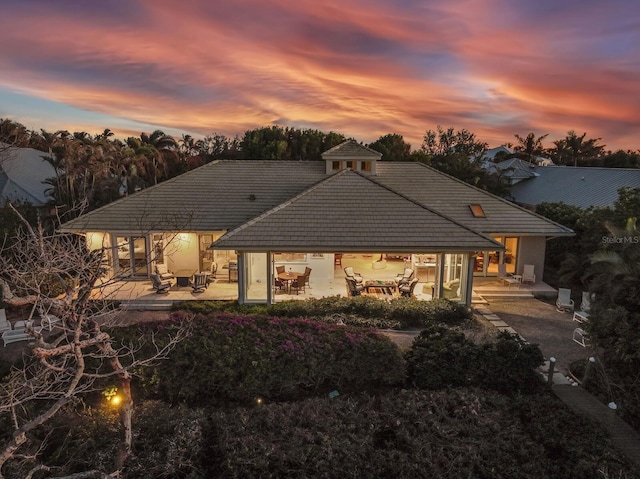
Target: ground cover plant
x=401, y=433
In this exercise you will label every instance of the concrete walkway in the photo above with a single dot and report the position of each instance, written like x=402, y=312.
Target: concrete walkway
x=623, y=436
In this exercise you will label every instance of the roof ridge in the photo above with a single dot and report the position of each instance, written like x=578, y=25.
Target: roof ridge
x=369, y=178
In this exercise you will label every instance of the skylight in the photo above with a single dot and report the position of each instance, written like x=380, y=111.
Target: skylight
x=477, y=211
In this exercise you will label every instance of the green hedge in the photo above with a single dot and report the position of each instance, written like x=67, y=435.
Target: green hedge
x=237, y=358
x=399, y=313
x=443, y=357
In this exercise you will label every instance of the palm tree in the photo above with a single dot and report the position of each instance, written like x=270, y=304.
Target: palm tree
x=530, y=145
x=574, y=149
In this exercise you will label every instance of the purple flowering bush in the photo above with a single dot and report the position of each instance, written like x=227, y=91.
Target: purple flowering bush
x=236, y=358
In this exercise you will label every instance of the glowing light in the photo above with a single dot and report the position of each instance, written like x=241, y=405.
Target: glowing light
x=259, y=401
x=115, y=400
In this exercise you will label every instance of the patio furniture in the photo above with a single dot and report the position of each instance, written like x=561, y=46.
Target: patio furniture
x=5, y=325
x=405, y=277
x=19, y=332
x=163, y=272
x=505, y=277
x=564, y=301
x=279, y=284
x=48, y=320
x=580, y=337
x=233, y=271
x=355, y=288
x=159, y=285
x=211, y=277
x=199, y=282
x=307, y=273
x=406, y=289
x=582, y=315
x=279, y=269
x=183, y=277
x=528, y=276
x=350, y=274
x=450, y=289
x=297, y=283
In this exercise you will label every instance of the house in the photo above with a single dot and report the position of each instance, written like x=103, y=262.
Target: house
x=252, y=216
x=22, y=175
x=576, y=186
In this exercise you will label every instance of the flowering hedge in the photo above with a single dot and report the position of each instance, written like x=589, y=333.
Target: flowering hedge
x=398, y=313
x=230, y=358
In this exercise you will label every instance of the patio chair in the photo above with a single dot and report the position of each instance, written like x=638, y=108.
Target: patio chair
x=199, y=283
x=564, y=301
x=505, y=277
x=163, y=272
x=307, y=273
x=451, y=289
x=406, y=289
x=211, y=277
x=159, y=285
x=405, y=277
x=279, y=284
x=355, y=288
x=5, y=325
x=349, y=273
x=582, y=315
x=528, y=276
x=580, y=337
x=279, y=269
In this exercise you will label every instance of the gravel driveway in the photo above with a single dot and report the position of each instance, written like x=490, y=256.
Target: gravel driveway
x=541, y=323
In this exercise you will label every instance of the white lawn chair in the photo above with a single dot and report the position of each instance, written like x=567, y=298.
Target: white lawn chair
x=564, y=301
x=582, y=315
x=580, y=337
x=5, y=325
x=528, y=276
x=505, y=277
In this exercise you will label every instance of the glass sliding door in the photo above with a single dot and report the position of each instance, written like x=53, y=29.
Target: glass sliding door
x=132, y=256
x=256, y=277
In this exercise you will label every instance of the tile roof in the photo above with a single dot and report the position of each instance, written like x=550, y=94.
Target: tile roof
x=577, y=186
x=352, y=212
x=452, y=197
x=351, y=149
x=218, y=196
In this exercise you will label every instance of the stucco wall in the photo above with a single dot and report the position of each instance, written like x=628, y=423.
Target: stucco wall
x=531, y=250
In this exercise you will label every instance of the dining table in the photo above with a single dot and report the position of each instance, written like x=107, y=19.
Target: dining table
x=288, y=276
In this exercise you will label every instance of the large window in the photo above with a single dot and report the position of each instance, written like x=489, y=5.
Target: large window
x=256, y=275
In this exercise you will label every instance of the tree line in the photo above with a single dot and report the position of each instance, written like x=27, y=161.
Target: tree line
x=93, y=170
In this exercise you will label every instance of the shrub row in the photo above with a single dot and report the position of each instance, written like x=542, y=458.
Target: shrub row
x=443, y=357
x=398, y=313
x=236, y=358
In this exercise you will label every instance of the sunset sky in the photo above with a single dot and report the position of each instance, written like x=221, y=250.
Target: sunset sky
x=363, y=68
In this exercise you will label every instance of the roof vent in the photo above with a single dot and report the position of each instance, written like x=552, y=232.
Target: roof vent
x=252, y=197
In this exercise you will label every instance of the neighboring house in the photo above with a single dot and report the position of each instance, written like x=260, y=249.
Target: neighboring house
x=22, y=175
x=576, y=186
x=257, y=214
x=514, y=170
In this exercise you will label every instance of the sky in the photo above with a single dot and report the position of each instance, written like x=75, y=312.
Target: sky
x=363, y=68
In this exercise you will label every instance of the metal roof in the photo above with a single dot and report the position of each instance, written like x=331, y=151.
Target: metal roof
x=352, y=212
x=22, y=172
x=577, y=186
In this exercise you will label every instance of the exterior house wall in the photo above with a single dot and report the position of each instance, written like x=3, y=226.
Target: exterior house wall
x=183, y=253
x=531, y=250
